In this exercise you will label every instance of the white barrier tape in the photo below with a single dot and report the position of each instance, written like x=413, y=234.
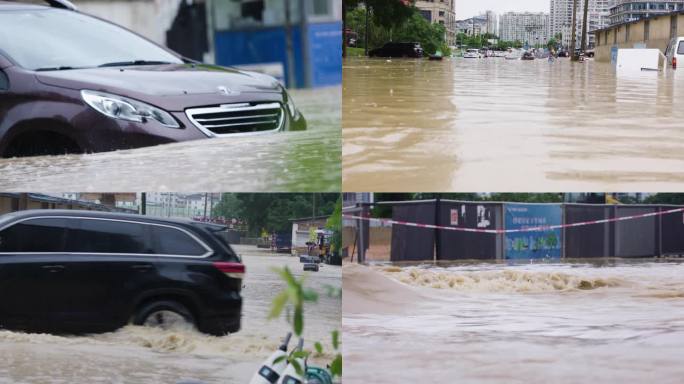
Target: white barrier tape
x=520, y=230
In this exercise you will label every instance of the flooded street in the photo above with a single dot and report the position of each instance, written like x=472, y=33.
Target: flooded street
x=293, y=161
x=144, y=355
x=510, y=126
x=487, y=323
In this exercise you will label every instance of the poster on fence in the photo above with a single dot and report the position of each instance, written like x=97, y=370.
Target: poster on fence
x=545, y=244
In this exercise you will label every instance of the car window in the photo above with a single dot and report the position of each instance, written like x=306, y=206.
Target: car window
x=107, y=236
x=170, y=241
x=4, y=81
x=33, y=235
x=53, y=38
x=680, y=48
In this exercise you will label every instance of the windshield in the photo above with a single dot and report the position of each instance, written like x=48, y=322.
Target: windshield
x=55, y=38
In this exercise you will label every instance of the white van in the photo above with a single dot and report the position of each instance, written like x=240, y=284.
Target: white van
x=675, y=51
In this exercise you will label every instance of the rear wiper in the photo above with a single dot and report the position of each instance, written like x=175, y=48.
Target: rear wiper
x=134, y=62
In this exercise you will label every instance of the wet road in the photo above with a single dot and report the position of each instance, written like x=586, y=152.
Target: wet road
x=294, y=161
x=510, y=126
x=148, y=356
x=571, y=323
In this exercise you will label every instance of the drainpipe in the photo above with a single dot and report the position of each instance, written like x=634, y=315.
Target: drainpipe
x=304, y=31
x=290, y=75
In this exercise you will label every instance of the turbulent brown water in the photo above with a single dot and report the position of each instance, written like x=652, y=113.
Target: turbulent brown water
x=293, y=161
x=538, y=323
x=143, y=355
x=509, y=126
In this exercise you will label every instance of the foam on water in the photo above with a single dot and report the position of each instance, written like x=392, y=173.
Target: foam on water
x=508, y=280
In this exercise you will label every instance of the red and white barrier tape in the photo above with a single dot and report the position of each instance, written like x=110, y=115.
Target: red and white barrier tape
x=504, y=231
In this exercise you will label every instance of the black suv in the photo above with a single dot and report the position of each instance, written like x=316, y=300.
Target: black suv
x=73, y=83
x=398, y=50
x=84, y=271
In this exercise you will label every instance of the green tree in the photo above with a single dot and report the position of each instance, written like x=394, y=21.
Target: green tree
x=273, y=211
x=666, y=198
x=429, y=35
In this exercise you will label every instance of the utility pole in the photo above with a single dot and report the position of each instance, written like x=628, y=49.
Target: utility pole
x=573, y=41
x=585, y=38
x=367, y=29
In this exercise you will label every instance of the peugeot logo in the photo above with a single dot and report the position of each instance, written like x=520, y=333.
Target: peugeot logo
x=227, y=91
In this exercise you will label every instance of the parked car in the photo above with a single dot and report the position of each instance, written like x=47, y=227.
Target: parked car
x=86, y=271
x=398, y=50
x=73, y=83
x=675, y=51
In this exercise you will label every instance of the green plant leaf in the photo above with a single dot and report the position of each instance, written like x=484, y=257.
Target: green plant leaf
x=298, y=367
x=279, y=359
x=278, y=304
x=336, y=366
x=336, y=339
x=309, y=295
x=319, y=348
x=298, y=320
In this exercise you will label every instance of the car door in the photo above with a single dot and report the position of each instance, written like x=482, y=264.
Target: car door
x=109, y=259
x=32, y=271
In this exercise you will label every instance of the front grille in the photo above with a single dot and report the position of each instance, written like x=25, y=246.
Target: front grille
x=233, y=119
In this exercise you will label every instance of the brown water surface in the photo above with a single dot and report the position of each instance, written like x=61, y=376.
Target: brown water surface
x=503, y=125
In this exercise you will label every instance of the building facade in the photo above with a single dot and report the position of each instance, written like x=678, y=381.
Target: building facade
x=560, y=19
x=441, y=12
x=486, y=22
x=623, y=11
x=527, y=27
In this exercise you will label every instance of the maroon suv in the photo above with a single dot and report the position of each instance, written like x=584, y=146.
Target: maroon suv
x=72, y=83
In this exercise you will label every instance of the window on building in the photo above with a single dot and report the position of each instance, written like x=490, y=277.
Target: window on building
x=253, y=9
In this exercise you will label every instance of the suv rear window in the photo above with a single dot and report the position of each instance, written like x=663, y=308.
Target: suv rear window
x=170, y=241
x=680, y=48
x=33, y=235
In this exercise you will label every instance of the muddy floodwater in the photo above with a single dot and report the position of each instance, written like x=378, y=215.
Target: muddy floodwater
x=510, y=125
x=292, y=161
x=143, y=355
x=546, y=323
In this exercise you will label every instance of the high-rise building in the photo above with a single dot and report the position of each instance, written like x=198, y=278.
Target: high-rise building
x=527, y=27
x=560, y=19
x=440, y=12
x=484, y=23
x=622, y=11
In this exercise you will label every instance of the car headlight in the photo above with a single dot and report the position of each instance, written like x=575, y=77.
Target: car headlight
x=294, y=112
x=119, y=107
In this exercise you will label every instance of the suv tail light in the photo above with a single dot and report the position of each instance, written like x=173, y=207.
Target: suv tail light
x=234, y=270
x=674, y=62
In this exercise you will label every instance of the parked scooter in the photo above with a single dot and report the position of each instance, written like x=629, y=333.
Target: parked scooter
x=271, y=369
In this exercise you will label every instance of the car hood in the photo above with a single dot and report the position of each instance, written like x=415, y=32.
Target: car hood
x=174, y=87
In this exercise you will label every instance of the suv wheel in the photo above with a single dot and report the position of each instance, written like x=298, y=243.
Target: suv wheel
x=164, y=315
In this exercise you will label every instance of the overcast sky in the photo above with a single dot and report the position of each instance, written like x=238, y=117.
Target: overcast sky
x=469, y=8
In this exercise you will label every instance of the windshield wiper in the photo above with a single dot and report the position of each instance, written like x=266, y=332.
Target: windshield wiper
x=62, y=68
x=134, y=62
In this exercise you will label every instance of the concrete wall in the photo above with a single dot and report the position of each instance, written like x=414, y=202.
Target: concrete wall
x=658, y=36
x=150, y=18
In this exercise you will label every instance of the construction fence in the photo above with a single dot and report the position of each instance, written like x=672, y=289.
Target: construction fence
x=447, y=230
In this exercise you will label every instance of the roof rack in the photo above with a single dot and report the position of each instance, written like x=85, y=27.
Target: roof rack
x=64, y=4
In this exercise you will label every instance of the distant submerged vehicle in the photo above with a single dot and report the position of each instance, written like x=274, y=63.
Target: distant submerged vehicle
x=472, y=54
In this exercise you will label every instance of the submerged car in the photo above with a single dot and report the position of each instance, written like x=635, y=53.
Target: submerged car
x=472, y=54
x=73, y=83
x=398, y=50
x=82, y=271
